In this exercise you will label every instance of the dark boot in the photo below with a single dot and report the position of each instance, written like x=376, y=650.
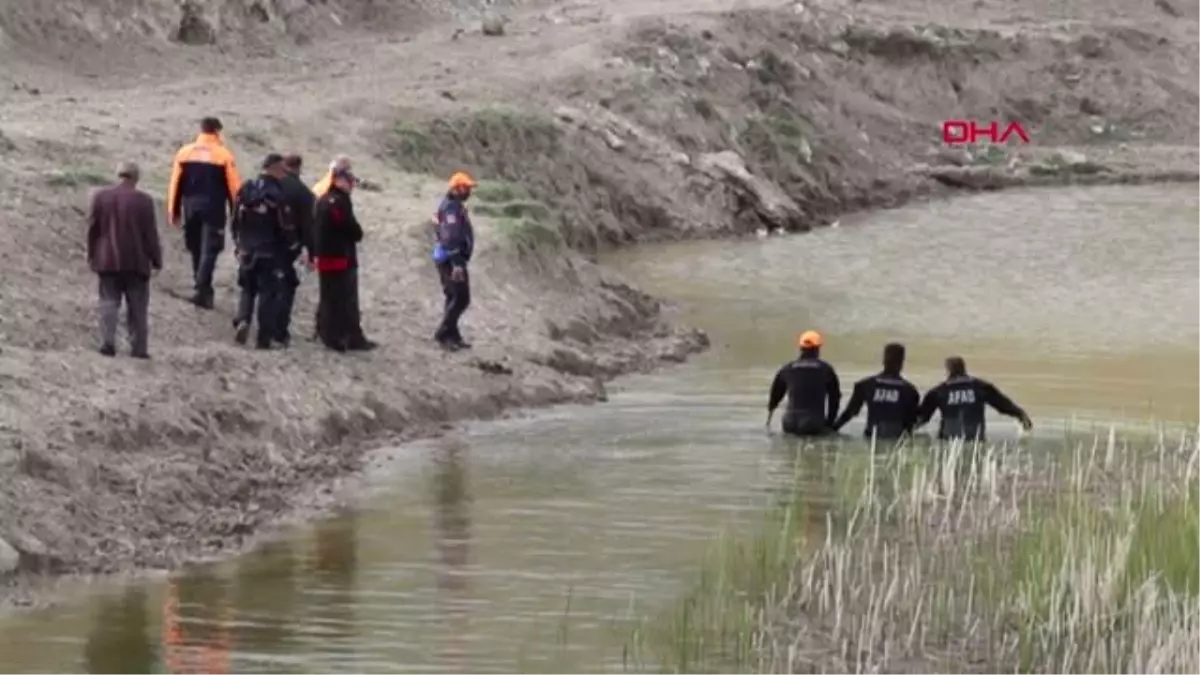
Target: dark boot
x=362, y=345
x=108, y=350
x=241, y=331
x=203, y=299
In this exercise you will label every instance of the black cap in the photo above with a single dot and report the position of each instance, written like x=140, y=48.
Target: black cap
x=210, y=125
x=271, y=160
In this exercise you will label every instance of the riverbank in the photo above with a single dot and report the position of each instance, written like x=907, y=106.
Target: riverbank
x=698, y=125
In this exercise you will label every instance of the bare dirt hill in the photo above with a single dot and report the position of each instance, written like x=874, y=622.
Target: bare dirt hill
x=593, y=123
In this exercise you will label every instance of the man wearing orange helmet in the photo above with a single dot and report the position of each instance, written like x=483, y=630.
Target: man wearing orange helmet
x=812, y=389
x=455, y=242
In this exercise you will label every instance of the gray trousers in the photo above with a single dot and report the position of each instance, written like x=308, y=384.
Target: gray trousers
x=135, y=289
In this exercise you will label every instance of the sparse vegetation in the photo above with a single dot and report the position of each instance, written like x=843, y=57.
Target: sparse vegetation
x=991, y=154
x=779, y=140
x=76, y=178
x=1081, y=560
x=498, y=191
x=252, y=138
x=409, y=142
x=524, y=224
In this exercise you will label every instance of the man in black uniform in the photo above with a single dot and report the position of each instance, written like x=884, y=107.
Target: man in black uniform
x=812, y=389
x=961, y=399
x=263, y=236
x=891, y=400
x=300, y=201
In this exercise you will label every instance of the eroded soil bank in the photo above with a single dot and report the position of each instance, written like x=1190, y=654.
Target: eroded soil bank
x=654, y=120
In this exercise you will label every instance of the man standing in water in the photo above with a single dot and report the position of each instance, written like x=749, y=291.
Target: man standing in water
x=891, y=400
x=812, y=389
x=962, y=399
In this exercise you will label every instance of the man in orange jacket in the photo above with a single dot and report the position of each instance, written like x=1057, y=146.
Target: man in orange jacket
x=204, y=182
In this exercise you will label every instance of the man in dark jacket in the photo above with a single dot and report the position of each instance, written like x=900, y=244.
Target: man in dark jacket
x=891, y=400
x=300, y=202
x=452, y=251
x=336, y=236
x=812, y=390
x=124, y=250
x=962, y=400
x=263, y=235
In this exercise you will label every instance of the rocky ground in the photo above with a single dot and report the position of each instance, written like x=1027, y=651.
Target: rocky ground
x=594, y=124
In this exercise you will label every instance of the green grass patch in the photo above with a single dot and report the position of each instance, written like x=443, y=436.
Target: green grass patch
x=991, y=154
x=77, y=178
x=529, y=237
x=497, y=191
x=777, y=139
x=1057, y=558
x=410, y=142
x=525, y=225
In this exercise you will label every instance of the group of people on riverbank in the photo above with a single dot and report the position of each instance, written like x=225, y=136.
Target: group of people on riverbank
x=895, y=407
x=279, y=225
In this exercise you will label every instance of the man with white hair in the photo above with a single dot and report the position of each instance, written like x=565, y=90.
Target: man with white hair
x=341, y=163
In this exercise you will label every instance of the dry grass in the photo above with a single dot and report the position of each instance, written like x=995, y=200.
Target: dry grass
x=968, y=559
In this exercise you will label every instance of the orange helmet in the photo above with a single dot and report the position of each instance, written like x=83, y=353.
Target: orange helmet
x=461, y=179
x=810, y=339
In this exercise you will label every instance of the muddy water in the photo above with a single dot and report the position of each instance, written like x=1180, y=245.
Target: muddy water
x=525, y=544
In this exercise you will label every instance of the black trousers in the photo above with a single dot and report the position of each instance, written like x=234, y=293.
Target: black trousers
x=291, y=281
x=262, y=281
x=135, y=290
x=799, y=423
x=457, y=299
x=204, y=235
x=339, y=322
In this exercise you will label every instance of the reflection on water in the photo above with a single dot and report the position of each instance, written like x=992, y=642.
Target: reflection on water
x=265, y=588
x=196, y=627
x=453, y=530
x=500, y=538
x=119, y=640
x=331, y=588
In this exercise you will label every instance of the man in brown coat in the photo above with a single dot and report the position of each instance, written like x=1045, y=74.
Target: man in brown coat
x=124, y=250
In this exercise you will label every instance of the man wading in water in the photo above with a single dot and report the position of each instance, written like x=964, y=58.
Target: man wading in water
x=812, y=389
x=962, y=400
x=891, y=400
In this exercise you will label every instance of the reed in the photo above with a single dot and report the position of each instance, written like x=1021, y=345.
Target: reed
x=1084, y=557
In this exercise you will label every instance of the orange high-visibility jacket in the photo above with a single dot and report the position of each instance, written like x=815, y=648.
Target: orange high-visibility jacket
x=204, y=177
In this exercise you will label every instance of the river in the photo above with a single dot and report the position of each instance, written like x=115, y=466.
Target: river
x=526, y=544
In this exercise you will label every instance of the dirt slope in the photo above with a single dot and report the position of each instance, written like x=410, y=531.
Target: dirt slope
x=653, y=119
